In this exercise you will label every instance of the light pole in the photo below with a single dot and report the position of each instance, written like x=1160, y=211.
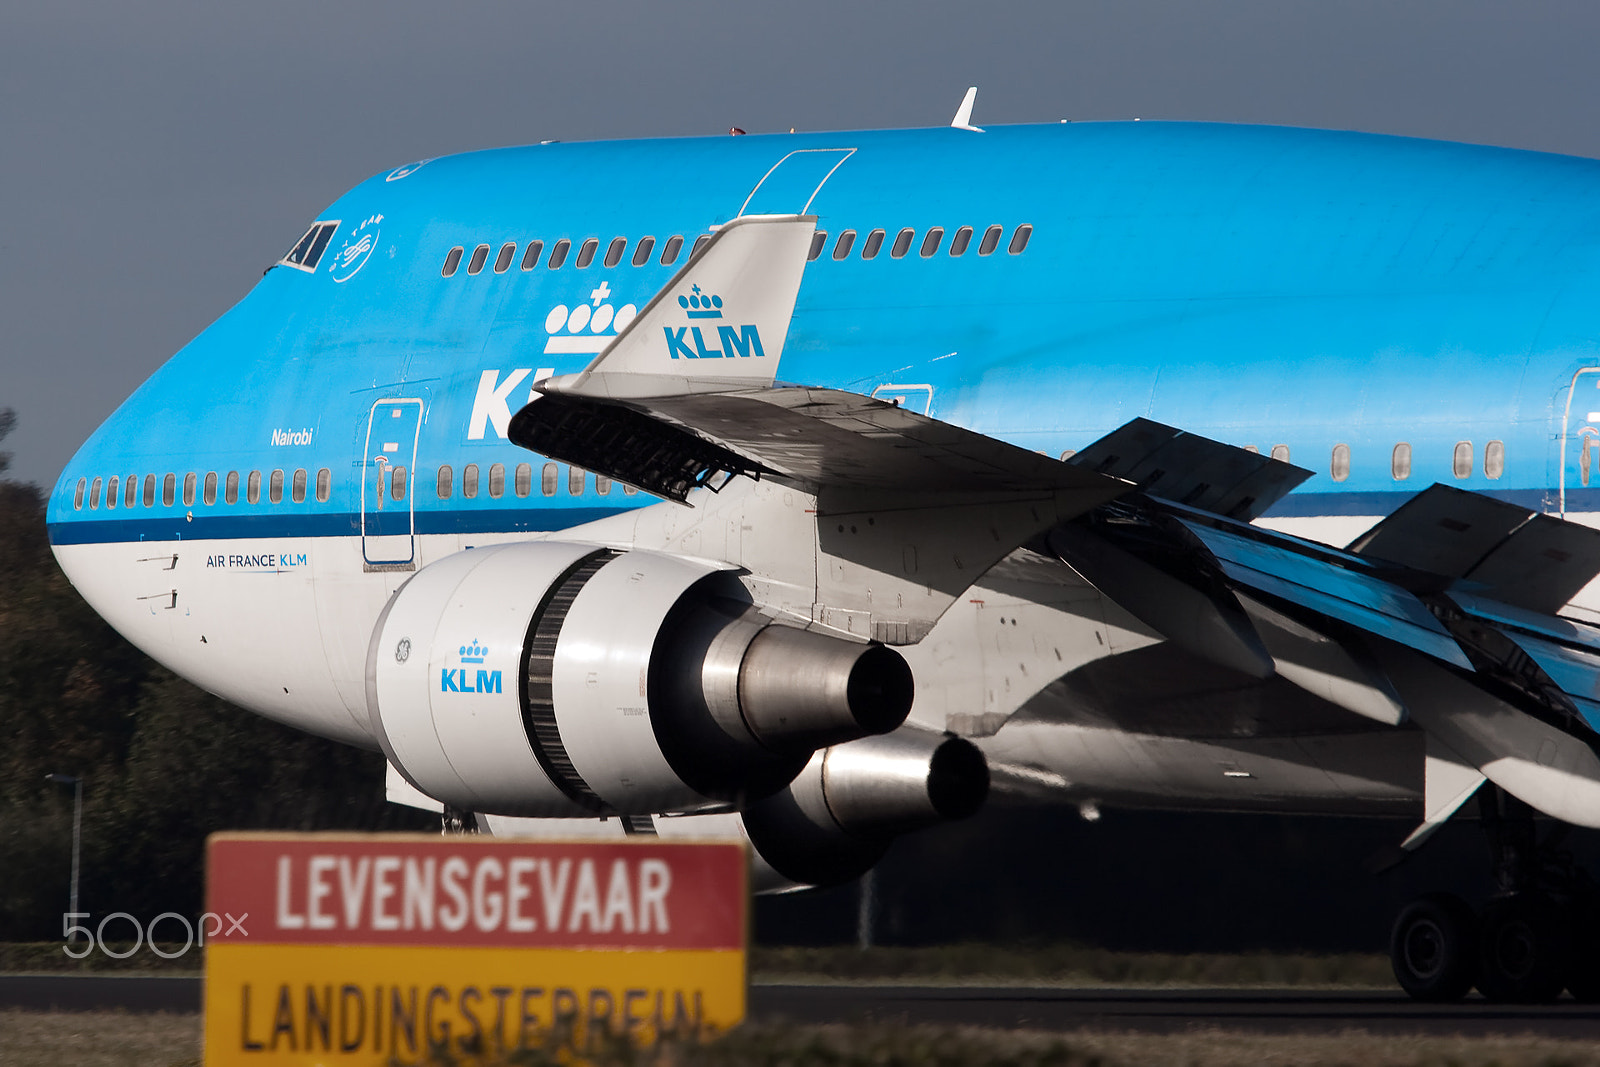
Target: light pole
x=77, y=828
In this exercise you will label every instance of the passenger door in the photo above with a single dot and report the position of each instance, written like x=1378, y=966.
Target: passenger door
x=388, y=485
x=1578, y=444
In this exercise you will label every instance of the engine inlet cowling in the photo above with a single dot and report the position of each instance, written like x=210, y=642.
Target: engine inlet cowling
x=550, y=679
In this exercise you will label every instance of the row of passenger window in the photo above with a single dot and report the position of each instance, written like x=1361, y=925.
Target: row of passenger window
x=128, y=490
x=1462, y=459
x=645, y=247
x=522, y=481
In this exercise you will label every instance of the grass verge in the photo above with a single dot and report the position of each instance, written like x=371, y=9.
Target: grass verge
x=114, y=1039
x=1071, y=965
x=963, y=964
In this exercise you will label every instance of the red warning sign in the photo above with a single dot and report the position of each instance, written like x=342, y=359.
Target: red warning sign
x=369, y=948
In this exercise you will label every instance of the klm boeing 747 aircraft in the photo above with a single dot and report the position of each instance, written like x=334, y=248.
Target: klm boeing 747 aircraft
x=821, y=487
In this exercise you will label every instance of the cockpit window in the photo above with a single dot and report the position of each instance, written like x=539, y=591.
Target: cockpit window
x=307, y=252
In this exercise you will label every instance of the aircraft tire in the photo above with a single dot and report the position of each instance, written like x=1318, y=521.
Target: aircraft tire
x=1433, y=948
x=1524, y=950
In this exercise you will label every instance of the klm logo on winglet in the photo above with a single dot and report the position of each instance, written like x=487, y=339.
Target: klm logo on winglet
x=457, y=680
x=689, y=342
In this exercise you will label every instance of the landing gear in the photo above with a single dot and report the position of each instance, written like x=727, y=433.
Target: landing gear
x=1434, y=948
x=1538, y=935
x=1524, y=950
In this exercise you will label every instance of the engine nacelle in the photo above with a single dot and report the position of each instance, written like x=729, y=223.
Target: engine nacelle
x=552, y=679
x=837, y=818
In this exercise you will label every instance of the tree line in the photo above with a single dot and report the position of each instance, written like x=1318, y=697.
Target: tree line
x=163, y=762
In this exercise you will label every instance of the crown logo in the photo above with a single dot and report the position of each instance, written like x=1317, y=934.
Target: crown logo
x=701, y=306
x=474, y=652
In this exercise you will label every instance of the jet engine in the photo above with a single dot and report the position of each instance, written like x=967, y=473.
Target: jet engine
x=561, y=679
x=837, y=818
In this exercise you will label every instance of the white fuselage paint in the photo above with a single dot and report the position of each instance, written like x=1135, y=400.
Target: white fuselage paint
x=281, y=626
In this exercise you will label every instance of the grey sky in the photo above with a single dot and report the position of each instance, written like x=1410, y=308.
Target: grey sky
x=155, y=157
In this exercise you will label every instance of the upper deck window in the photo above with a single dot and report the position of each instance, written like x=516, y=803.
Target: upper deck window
x=307, y=252
x=991, y=240
x=480, y=256
x=558, y=253
x=452, y=261
x=841, y=247
x=874, y=241
x=502, y=262
x=1019, y=239
x=700, y=242
x=586, y=252
x=958, y=243
x=930, y=243
x=642, y=250
x=669, y=252
x=902, y=242
x=614, y=251
x=818, y=239
x=530, y=258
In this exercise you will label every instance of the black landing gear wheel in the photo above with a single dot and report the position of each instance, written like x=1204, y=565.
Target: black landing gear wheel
x=1434, y=948
x=1524, y=950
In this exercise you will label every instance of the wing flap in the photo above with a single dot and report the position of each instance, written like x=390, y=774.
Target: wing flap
x=812, y=438
x=1192, y=470
x=1442, y=530
x=1541, y=566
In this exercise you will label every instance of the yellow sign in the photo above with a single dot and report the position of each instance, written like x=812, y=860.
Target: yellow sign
x=393, y=948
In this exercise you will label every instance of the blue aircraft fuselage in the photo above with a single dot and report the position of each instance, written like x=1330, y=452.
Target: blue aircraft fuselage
x=1385, y=312
x=1262, y=286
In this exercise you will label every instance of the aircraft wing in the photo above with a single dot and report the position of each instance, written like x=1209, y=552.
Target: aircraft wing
x=1442, y=617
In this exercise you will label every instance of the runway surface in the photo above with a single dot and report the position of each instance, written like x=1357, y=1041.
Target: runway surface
x=1046, y=1008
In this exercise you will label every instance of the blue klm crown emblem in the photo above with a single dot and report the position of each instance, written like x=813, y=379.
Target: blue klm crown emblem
x=701, y=306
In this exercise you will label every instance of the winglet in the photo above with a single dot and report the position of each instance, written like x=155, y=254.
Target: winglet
x=963, y=119
x=720, y=324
